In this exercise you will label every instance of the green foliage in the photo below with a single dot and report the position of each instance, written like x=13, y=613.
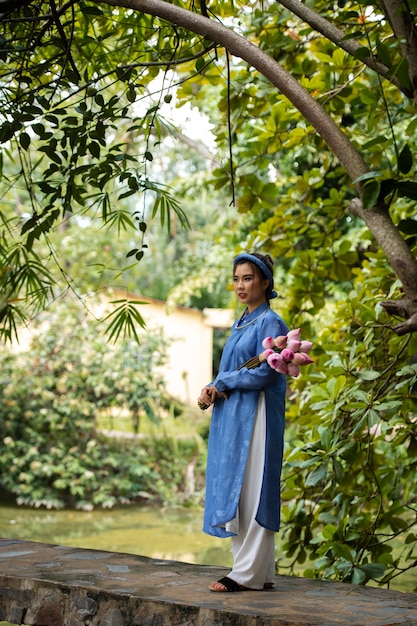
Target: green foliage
x=52, y=452
x=348, y=482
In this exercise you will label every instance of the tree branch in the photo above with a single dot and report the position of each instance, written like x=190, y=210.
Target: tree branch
x=402, y=23
x=337, y=36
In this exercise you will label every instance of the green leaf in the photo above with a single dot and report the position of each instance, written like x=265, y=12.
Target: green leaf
x=336, y=385
x=370, y=194
x=368, y=374
x=405, y=160
x=383, y=52
x=402, y=73
x=373, y=570
x=90, y=10
x=342, y=550
x=317, y=476
x=94, y=149
x=131, y=94
x=329, y=531
x=366, y=176
x=200, y=64
x=325, y=437
x=358, y=576
x=362, y=53
x=408, y=189
x=24, y=140
x=339, y=472
x=408, y=226
x=124, y=319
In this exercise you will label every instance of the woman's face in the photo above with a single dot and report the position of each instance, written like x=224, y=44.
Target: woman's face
x=250, y=287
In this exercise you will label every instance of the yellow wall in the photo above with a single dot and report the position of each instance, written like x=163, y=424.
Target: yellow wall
x=190, y=348
x=190, y=354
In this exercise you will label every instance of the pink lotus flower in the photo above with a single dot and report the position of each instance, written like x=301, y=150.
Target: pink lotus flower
x=277, y=363
x=293, y=345
x=294, y=334
x=287, y=355
x=268, y=342
x=305, y=346
x=293, y=370
x=301, y=358
x=280, y=341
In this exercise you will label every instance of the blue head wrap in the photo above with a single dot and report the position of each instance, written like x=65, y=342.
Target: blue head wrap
x=250, y=258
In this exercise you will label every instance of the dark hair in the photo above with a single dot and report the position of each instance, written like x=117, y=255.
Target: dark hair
x=266, y=260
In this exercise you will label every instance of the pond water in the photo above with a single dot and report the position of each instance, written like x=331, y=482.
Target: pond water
x=161, y=534
x=156, y=533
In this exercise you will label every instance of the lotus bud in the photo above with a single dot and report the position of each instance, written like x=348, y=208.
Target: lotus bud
x=282, y=368
x=274, y=359
x=294, y=345
x=265, y=354
x=287, y=355
x=305, y=346
x=294, y=334
x=293, y=370
x=302, y=358
x=276, y=362
x=280, y=341
x=268, y=342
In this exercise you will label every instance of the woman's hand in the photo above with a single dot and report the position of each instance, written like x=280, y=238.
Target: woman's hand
x=205, y=399
x=209, y=395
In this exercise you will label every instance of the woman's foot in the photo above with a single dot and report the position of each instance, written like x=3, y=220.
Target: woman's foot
x=227, y=585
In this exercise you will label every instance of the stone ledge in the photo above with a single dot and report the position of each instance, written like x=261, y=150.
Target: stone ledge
x=49, y=585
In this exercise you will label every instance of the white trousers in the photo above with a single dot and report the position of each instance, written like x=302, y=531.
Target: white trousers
x=254, y=546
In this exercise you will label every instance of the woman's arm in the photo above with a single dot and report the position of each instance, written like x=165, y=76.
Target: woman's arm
x=253, y=379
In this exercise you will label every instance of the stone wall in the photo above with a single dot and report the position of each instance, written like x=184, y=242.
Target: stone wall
x=49, y=585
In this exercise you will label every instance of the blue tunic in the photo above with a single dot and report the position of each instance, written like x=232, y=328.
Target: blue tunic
x=232, y=424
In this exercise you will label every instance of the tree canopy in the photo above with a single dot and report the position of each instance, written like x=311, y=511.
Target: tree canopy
x=72, y=73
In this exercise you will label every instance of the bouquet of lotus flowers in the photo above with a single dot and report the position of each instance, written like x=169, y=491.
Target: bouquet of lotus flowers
x=285, y=354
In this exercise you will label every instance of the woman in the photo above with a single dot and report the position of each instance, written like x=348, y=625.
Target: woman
x=246, y=435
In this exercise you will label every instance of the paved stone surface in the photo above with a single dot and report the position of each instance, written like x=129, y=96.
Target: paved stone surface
x=51, y=585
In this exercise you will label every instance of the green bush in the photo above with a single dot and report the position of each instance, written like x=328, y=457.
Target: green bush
x=51, y=452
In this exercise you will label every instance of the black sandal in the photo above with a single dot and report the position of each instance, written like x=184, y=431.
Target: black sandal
x=229, y=584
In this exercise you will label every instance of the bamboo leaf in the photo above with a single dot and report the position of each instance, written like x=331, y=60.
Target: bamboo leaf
x=123, y=321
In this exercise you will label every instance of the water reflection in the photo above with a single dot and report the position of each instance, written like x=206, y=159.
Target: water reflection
x=162, y=534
